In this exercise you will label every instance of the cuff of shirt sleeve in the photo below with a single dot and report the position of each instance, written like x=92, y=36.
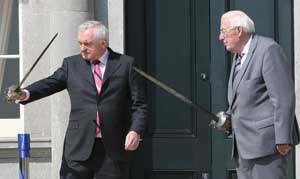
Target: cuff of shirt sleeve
x=26, y=98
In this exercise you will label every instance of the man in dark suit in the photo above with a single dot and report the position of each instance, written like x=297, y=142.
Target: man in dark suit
x=108, y=110
x=261, y=100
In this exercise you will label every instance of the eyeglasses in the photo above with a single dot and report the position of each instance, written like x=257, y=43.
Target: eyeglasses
x=224, y=32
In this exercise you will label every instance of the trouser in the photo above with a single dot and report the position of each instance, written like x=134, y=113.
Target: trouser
x=98, y=166
x=269, y=167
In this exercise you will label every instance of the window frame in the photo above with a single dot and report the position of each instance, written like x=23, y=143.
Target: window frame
x=11, y=127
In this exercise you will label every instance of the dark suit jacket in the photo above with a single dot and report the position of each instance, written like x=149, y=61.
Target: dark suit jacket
x=121, y=104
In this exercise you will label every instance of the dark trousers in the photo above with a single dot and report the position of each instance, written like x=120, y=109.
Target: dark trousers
x=98, y=166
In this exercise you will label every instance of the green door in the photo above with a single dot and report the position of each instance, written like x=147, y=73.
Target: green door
x=176, y=41
x=164, y=37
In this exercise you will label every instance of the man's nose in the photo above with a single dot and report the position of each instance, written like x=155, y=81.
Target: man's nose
x=221, y=36
x=82, y=48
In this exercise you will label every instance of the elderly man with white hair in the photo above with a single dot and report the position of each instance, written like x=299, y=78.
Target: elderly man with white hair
x=108, y=108
x=261, y=100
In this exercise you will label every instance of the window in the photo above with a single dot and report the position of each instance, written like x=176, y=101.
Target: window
x=9, y=66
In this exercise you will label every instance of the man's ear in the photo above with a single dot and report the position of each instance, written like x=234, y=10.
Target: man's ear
x=240, y=31
x=104, y=42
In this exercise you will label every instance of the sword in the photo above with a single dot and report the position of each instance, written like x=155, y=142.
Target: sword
x=221, y=120
x=17, y=88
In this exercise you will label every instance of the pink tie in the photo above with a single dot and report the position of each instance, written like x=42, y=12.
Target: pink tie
x=98, y=81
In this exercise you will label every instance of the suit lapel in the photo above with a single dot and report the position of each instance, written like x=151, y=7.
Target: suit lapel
x=87, y=73
x=243, y=70
x=241, y=73
x=231, y=79
x=113, y=63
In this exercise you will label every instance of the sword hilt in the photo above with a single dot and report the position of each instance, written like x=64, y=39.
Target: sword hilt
x=223, y=123
x=15, y=90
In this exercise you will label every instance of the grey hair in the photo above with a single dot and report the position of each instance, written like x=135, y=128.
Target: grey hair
x=238, y=18
x=100, y=30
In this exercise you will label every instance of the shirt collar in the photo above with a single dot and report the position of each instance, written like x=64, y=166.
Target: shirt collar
x=247, y=46
x=103, y=59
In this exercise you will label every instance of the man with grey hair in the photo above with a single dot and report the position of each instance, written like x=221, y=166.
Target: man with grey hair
x=108, y=110
x=261, y=100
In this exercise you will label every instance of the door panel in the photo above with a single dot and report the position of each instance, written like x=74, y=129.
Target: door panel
x=170, y=41
x=178, y=143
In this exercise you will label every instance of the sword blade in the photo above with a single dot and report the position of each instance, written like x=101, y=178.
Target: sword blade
x=37, y=60
x=175, y=93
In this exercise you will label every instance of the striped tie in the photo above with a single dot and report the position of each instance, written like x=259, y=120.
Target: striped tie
x=237, y=66
x=98, y=81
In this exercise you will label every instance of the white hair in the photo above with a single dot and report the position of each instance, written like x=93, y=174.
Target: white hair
x=238, y=18
x=101, y=32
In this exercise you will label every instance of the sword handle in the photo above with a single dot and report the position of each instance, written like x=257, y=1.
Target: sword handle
x=223, y=123
x=13, y=93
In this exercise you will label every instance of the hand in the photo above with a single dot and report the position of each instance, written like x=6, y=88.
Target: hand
x=226, y=127
x=223, y=123
x=283, y=149
x=15, y=93
x=132, y=140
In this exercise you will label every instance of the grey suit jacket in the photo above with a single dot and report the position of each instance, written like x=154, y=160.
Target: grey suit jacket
x=261, y=100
